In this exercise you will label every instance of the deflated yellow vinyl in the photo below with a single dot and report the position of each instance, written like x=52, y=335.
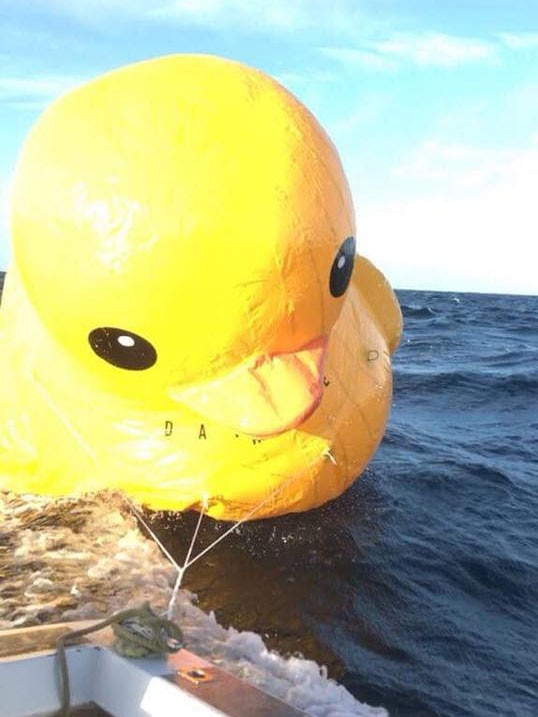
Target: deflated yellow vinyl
x=185, y=318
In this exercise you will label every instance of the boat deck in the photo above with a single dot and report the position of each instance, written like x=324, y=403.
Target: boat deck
x=91, y=710
x=104, y=684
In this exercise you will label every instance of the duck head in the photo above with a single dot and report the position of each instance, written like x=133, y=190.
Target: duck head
x=184, y=230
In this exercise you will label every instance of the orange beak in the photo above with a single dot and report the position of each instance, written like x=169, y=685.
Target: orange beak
x=265, y=396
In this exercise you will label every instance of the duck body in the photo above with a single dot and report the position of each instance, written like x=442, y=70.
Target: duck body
x=185, y=318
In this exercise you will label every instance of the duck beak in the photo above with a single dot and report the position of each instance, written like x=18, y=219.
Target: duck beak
x=265, y=396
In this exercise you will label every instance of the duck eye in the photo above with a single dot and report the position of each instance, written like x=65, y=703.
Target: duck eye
x=342, y=267
x=122, y=348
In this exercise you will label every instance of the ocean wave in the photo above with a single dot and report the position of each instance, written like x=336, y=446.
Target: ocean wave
x=416, y=311
x=491, y=383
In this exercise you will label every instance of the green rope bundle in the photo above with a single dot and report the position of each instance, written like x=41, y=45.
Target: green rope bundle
x=139, y=632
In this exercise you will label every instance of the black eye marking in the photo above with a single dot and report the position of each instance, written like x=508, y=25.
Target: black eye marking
x=342, y=267
x=122, y=348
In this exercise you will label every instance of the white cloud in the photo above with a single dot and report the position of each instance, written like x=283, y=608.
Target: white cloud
x=460, y=165
x=271, y=15
x=277, y=14
x=369, y=40
x=364, y=58
x=425, y=49
x=482, y=239
x=300, y=79
x=359, y=120
x=4, y=224
x=435, y=49
x=519, y=41
x=34, y=92
x=481, y=245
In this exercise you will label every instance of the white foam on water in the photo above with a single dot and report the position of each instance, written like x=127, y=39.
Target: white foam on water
x=85, y=559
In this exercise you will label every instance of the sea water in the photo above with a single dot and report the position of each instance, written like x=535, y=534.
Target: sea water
x=415, y=592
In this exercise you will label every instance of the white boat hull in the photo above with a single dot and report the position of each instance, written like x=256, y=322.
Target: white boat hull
x=180, y=684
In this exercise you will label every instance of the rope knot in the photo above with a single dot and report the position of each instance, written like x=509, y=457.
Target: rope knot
x=145, y=633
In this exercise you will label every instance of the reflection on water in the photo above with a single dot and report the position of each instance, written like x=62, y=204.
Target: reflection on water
x=74, y=559
x=270, y=576
x=283, y=579
x=77, y=559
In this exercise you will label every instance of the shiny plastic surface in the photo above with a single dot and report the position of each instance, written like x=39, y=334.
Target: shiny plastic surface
x=182, y=319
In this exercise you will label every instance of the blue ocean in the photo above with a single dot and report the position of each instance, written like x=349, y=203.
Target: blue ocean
x=418, y=588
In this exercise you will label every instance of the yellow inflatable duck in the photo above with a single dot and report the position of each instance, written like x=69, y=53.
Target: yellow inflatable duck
x=185, y=318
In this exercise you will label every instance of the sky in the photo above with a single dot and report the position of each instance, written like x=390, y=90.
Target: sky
x=432, y=105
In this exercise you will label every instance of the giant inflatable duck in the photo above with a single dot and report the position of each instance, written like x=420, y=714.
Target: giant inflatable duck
x=185, y=318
